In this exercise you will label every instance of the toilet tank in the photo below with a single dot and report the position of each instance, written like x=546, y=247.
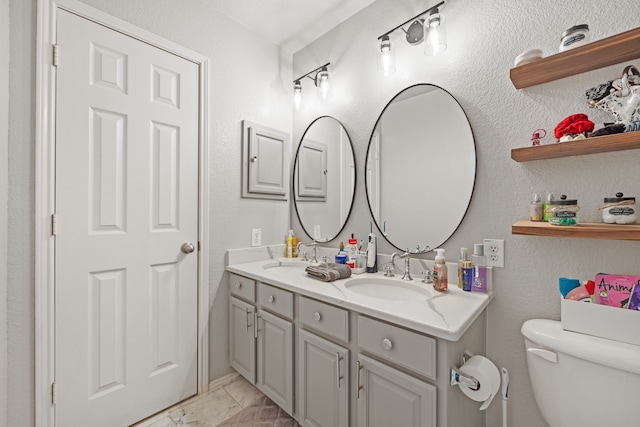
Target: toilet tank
x=581, y=380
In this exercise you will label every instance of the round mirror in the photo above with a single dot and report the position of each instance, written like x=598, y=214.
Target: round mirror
x=421, y=167
x=324, y=179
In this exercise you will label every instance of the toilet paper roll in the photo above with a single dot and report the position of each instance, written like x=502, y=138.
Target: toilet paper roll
x=482, y=369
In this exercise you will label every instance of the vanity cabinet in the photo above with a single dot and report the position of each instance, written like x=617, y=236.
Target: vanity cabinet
x=348, y=368
x=261, y=337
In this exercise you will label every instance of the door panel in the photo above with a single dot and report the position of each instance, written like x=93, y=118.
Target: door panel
x=390, y=397
x=126, y=200
x=275, y=359
x=324, y=398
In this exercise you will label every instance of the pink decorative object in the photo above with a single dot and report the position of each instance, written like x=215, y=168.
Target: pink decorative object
x=536, y=137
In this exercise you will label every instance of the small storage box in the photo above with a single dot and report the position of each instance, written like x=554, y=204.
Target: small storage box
x=601, y=321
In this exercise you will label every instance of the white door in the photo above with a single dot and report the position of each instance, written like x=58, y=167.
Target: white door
x=126, y=202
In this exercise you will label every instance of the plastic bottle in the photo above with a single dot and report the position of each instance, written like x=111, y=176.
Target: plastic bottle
x=467, y=276
x=464, y=256
x=289, y=246
x=440, y=277
x=479, y=268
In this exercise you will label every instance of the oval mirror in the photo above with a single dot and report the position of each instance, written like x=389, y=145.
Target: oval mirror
x=324, y=179
x=421, y=167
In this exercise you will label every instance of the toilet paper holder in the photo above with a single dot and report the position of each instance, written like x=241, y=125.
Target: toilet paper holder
x=467, y=381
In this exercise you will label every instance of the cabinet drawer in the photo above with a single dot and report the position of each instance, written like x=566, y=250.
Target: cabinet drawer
x=400, y=346
x=325, y=318
x=275, y=300
x=242, y=287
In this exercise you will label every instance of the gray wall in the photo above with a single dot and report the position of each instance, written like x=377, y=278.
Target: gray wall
x=250, y=79
x=484, y=37
x=4, y=137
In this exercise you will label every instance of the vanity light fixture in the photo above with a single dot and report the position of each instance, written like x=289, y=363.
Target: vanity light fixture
x=320, y=79
x=429, y=28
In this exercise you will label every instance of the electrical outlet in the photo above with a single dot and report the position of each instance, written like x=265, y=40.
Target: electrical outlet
x=256, y=237
x=316, y=232
x=494, y=251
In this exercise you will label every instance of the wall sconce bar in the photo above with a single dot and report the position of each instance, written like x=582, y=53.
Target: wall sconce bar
x=321, y=80
x=409, y=20
x=311, y=72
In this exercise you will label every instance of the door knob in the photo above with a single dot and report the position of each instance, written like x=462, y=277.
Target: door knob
x=187, y=247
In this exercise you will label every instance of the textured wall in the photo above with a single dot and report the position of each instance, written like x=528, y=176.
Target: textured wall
x=4, y=139
x=249, y=80
x=484, y=36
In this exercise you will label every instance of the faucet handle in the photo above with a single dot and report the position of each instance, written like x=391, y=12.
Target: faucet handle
x=388, y=269
x=428, y=278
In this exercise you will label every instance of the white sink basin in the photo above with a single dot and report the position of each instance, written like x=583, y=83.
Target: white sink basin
x=390, y=289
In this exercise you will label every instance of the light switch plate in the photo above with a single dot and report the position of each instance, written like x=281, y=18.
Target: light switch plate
x=316, y=232
x=256, y=237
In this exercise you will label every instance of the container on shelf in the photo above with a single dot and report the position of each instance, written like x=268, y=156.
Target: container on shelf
x=563, y=212
x=619, y=210
x=575, y=36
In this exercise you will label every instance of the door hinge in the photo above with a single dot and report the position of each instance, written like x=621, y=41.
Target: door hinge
x=54, y=393
x=55, y=55
x=54, y=224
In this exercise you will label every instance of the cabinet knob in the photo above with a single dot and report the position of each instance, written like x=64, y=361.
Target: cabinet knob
x=317, y=316
x=271, y=298
x=387, y=344
x=238, y=285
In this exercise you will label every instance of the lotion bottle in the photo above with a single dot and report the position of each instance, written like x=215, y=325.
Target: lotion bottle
x=440, y=277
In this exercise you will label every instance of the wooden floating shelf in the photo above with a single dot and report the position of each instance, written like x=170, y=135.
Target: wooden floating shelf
x=598, y=54
x=582, y=231
x=598, y=144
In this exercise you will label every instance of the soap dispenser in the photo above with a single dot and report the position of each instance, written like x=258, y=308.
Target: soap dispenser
x=440, y=276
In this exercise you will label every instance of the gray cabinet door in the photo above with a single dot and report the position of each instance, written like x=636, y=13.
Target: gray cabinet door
x=391, y=398
x=242, y=343
x=323, y=382
x=275, y=359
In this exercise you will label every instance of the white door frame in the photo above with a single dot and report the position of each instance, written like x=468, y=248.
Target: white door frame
x=45, y=193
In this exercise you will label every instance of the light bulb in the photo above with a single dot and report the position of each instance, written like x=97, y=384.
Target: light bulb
x=322, y=83
x=385, y=62
x=297, y=95
x=435, y=36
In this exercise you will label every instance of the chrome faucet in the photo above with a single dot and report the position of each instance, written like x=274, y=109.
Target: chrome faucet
x=313, y=245
x=407, y=263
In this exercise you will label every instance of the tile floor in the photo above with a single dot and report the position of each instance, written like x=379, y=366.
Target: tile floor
x=209, y=409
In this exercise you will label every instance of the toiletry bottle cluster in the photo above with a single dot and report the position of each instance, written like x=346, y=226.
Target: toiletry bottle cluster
x=352, y=254
x=472, y=273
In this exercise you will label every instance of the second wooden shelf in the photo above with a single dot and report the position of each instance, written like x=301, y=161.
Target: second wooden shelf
x=598, y=144
x=583, y=230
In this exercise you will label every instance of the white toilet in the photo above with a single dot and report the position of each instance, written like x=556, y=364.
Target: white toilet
x=581, y=380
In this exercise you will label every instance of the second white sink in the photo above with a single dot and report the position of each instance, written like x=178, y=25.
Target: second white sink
x=389, y=289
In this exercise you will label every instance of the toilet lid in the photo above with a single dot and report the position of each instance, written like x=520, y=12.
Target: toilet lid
x=549, y=334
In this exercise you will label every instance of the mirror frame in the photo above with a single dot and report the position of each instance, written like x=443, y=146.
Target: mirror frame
x=366, y=159
x=294, y=183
